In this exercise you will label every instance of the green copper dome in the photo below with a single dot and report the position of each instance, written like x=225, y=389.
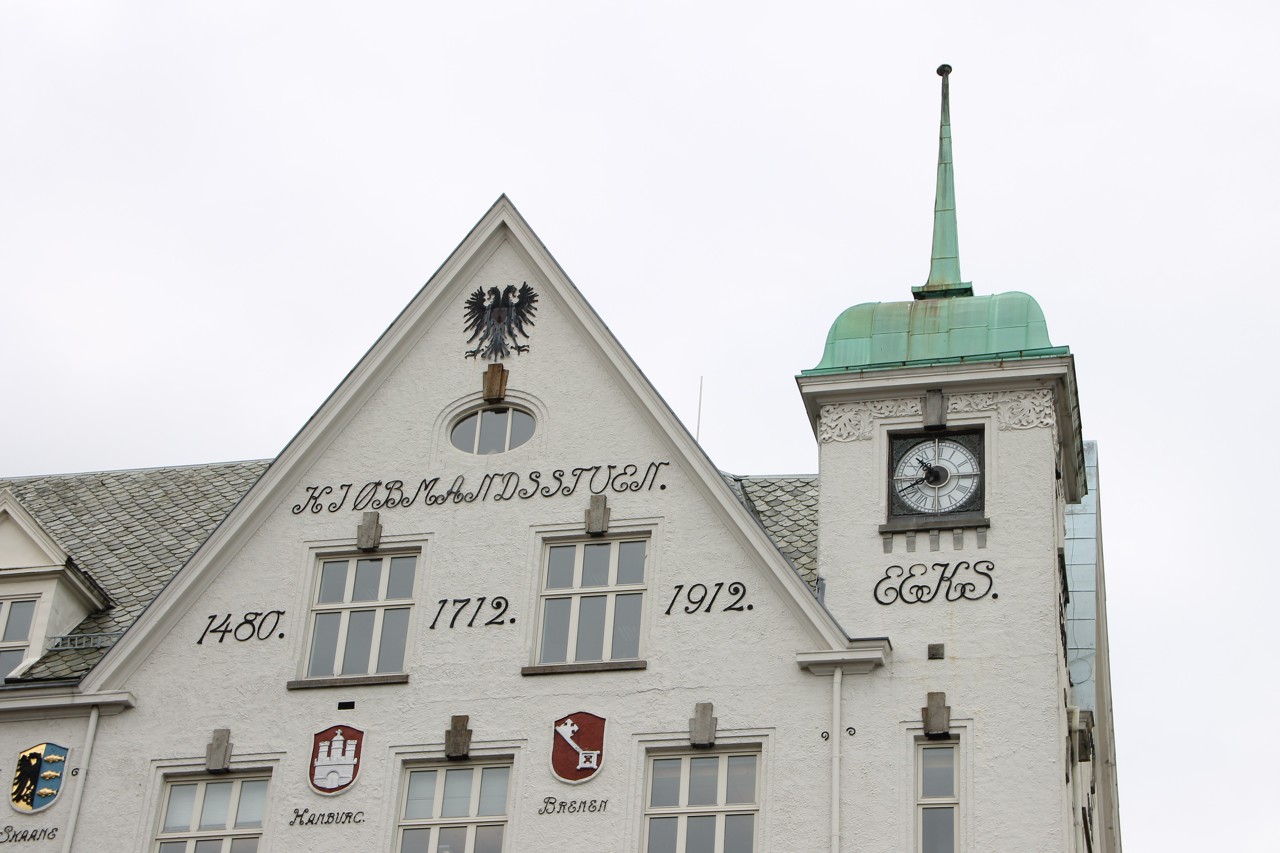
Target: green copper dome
x=959, y=328
x=946, y=323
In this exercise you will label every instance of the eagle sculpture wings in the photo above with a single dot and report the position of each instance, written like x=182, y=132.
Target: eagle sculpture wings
x=494, y=319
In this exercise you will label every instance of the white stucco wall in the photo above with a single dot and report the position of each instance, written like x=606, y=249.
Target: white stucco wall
x=744, y=662
x=1003, y=673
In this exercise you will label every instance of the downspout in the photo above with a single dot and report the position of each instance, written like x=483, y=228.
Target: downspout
x=837, y=678
x=90, y=734
x=863, y=655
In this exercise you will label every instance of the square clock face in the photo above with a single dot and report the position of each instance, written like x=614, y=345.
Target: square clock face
x=935, y=474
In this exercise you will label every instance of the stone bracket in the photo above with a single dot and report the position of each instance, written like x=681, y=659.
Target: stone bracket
x=495, y=383
x=702, y=726
x=217, y=755
x=369, y=533
x=597, y=516
x=937, y=717
x=935, y=409
x=457, y=740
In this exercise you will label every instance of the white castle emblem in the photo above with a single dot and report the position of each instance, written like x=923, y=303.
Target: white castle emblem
x=335, y=764
x=588, y=759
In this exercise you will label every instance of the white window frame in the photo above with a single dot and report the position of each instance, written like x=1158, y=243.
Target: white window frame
x=575, y=593
x=938, y=802
x=345, y=608
x=682, y=811
x=472, y=821
x=6, y=607
x=227, y=834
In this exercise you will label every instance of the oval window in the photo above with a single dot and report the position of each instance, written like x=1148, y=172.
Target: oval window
x=493, y=430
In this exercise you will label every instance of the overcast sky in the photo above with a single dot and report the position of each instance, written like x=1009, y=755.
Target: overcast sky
x=209, y=211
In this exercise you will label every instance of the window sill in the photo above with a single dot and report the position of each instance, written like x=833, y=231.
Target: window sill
x=347, y=681
x=941, y=521
x=594, y=666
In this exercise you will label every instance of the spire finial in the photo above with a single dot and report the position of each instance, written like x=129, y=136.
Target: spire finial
x=944, y=265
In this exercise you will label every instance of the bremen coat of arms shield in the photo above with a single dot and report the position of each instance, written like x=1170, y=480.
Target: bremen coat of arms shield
x=577, y=747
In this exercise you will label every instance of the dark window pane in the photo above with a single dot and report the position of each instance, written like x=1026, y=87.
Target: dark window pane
x=521, y=428
x=662, y=835
x=422, y=794
x=626, y=626
x=457, y=793
x=664, y=791
x=937, y=830
x=18, y=627
x=400, y=584
x=173, y=847
x=493, y=431
x=395, y=631
x=560, y=566
x=355, y=657
x=333, y=582
x=9, y=660
x=253, y=797
x=739, y=833
x=416, y=841
x=700, y=834
x=555, y=630
x=452, y=839
x=631, y=562
x=742, y=779
x=939, y=775
x=244, y=845
x=590, y=644
x=489, y=839
x=178, y=813
x=209, y=846
x=217, y=799
x=463, y=437
x=368, y=580
x=595, y=564
x=493, y=790
x=703, y=777
x=324, y=644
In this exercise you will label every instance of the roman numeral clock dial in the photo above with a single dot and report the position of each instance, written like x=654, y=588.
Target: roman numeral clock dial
x=936, y=475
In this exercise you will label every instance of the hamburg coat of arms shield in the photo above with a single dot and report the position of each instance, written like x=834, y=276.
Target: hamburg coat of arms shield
x=577, y=747
x=335, y=759
x=37, y=781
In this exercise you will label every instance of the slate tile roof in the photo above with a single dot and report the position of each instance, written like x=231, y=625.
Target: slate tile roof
x=787, y=509
x=132, y=530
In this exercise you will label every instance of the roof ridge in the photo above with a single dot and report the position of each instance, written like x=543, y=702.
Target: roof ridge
x=147, y=470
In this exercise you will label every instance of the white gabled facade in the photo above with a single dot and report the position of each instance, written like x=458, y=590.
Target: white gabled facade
x=586, y=640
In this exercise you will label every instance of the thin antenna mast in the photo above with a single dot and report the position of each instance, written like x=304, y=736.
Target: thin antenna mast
x=697, y=430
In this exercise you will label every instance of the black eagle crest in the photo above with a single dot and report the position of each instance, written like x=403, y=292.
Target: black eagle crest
x=494, y=318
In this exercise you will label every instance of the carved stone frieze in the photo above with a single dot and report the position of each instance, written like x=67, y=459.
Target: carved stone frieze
x=854, y=421
x=1014, y=409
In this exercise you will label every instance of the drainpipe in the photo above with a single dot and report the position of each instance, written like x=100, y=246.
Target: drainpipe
x=863, y=655
x=90, y=734
x=837, y=678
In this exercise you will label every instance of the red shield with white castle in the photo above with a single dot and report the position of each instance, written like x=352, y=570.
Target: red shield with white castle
x=335, y=759
x=577, y=747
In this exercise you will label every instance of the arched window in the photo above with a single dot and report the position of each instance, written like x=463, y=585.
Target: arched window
x=492, y=430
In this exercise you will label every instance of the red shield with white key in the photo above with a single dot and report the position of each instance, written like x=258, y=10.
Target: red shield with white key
x=577, y=747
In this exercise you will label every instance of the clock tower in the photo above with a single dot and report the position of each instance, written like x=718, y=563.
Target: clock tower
x=949, y=446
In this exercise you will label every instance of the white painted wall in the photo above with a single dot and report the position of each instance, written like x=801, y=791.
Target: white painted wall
x=1003, y=673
